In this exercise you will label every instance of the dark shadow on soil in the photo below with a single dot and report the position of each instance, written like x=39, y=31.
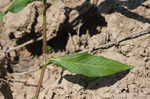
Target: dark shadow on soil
x=36, y=47
x=90, y=20
x=123, y=7
x=89, y=17
x=95, y=83
x=4, y=86
x=132, y=15
x=5, y=90
x=132, y=4
x=59, y=42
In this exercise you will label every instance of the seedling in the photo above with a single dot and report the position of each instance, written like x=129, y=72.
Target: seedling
x=79, y=63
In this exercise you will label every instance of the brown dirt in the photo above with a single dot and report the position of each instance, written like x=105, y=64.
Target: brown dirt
x=72, y=28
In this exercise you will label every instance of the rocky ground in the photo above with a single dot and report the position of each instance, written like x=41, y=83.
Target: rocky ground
x=116, y=29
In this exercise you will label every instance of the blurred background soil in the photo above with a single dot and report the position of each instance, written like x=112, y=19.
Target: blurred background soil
x=76, y=26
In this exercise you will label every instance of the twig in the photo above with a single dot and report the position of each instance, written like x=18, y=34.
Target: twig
x=22, y=82
x=26, y=72
x=20, y=46
x=44, y=51
x=128, y=37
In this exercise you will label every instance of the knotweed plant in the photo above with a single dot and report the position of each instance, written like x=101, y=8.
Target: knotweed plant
x=79, y=63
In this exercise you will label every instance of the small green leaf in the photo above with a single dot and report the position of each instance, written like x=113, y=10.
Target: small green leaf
x=89, y=65
x=18, y=5
x=1, y=16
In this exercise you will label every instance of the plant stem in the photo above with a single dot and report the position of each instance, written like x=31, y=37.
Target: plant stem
x=44, y=50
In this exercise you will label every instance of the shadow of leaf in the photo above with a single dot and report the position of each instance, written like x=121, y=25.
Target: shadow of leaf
x=95, y=83
x=124, y=7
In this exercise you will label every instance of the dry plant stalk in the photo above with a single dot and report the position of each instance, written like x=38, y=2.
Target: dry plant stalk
x=44, y=51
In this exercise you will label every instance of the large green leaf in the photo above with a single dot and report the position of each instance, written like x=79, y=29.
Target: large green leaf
x=18, y=5
x=89, y=65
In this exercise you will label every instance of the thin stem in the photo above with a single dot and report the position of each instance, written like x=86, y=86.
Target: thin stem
x=44, y=51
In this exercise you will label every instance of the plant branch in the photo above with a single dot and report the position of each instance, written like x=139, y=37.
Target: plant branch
x=44, y=50
x=26, y=72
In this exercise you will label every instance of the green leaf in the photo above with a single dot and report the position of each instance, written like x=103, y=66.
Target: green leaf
x=1, y=16
x=18, y=5
x=89, y=65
